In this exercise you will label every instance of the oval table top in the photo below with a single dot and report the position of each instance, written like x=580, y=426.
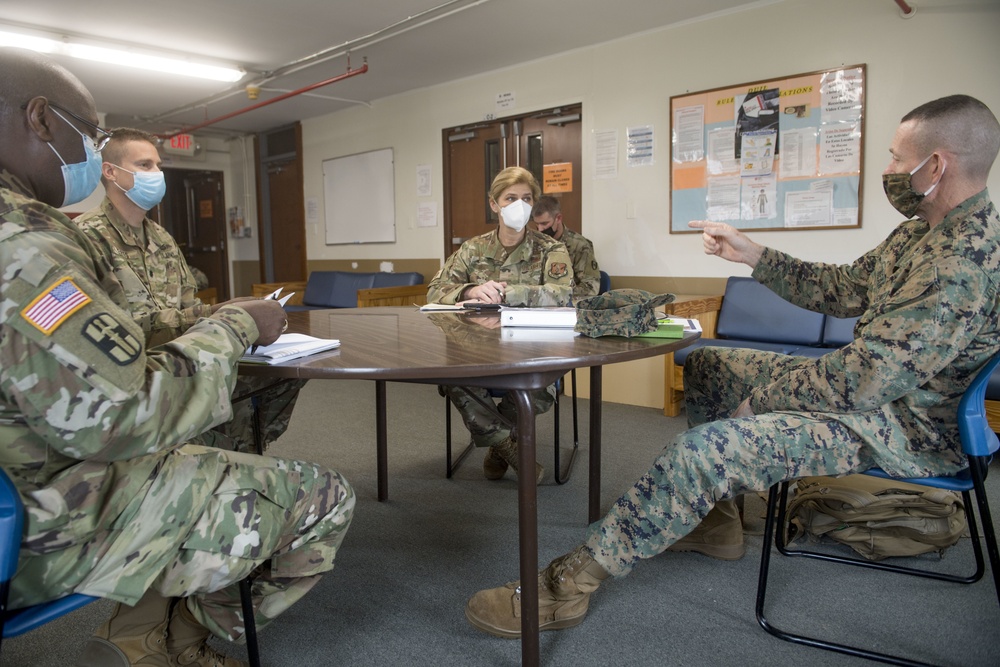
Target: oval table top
x=402, y=343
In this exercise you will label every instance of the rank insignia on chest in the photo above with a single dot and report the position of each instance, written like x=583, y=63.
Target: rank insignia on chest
x=53, y=306
x=112, y=338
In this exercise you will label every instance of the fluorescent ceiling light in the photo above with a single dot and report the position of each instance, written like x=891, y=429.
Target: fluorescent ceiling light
x=123, y=57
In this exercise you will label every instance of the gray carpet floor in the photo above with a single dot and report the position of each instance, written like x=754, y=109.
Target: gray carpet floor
x=408, y=565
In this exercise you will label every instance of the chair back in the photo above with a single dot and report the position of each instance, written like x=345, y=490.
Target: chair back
x=11, y=525
x=605, y=283
x=24, y=620
x=978, y=439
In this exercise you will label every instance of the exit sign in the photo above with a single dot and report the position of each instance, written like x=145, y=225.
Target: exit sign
x=181, y=144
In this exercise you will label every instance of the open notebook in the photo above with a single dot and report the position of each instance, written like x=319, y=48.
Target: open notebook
x=288, y=347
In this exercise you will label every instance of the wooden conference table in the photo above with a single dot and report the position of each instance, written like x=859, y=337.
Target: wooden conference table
x=402, y=344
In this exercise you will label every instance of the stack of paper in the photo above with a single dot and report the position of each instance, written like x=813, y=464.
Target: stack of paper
x=564, y=318
x=288, y=347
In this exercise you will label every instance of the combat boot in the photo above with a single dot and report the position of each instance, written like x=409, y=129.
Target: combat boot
x=719, y=535
x=132, y=636
x=186, y=641
x=494, y=466
x=506, y=451
x=564, y=589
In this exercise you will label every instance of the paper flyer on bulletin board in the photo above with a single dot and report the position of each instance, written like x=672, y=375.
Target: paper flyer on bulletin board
x=778, y=154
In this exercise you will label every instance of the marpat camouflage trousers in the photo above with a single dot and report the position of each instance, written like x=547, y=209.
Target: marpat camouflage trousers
x=719, y=458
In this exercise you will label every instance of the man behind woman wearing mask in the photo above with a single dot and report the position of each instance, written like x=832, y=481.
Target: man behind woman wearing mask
x=160, y=288
x=515, y=266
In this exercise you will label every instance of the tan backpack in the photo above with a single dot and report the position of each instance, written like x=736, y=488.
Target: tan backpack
x=878, y=518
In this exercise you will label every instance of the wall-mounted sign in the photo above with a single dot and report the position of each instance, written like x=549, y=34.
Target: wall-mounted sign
x=181, y=144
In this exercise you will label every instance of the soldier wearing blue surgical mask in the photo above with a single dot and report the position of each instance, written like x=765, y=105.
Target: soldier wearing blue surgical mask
x=160, y=288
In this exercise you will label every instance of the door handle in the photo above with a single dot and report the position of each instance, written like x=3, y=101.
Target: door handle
x=458, y=240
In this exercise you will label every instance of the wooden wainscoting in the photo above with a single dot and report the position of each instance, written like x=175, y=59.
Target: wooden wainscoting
x=705, y=309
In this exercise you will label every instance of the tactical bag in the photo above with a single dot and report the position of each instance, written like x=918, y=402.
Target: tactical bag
x=876, y=517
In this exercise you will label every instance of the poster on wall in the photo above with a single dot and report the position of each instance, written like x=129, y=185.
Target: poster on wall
x=778, y=154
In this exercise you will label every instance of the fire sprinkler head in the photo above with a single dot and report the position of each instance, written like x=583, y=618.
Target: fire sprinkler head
x=253, y=91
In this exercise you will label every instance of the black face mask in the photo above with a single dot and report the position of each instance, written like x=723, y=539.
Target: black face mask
x=549, y=231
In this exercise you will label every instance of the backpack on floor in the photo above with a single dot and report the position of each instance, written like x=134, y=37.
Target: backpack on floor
x=878, y=518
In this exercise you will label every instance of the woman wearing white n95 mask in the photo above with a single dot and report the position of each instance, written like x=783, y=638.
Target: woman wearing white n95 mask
x=514, y=266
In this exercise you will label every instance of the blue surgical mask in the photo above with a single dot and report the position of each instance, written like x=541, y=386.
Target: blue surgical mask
x=80, y=179
x=148, y=189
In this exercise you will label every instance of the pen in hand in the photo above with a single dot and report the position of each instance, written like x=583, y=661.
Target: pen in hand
x=273, y=296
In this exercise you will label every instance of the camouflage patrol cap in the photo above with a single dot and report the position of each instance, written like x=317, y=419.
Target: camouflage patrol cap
x=619, y=312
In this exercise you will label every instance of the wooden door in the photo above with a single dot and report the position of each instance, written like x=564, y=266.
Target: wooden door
x=194, y=212
x=473, y=157
x=282, y=235
x=554, y=137
x=474, y=154
x=287, y=243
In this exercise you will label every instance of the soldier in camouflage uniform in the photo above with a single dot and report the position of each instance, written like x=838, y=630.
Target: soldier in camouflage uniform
x=928, y=302
x=93, y=426
x=548, y=219
x=160, y=286
x=515, y=266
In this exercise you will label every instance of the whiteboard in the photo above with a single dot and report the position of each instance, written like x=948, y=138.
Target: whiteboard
x=360, y=200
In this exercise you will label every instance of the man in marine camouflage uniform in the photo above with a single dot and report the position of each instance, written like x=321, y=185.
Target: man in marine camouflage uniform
x=160, y=286
x=93, y=426
x=515, y=266
x=548, y=219
x=928, y=302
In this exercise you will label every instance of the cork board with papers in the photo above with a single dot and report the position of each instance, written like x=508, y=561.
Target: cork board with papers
x=766, y=155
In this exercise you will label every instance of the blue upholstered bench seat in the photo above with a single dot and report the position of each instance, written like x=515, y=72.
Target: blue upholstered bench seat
x=755, y=317
x=339, y=289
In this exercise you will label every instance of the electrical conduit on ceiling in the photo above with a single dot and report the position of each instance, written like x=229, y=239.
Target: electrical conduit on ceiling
x=390, y=31
x=305, y=89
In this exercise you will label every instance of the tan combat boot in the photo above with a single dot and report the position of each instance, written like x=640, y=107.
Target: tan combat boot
x=719, y=535
x=503, y=455
x=564, y=589
x=132, y=636
x=186, y=641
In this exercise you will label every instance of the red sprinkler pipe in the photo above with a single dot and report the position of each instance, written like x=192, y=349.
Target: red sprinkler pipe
x=284, y=96
x=904, y=8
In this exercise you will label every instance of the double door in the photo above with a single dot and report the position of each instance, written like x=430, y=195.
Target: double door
x=474, y=154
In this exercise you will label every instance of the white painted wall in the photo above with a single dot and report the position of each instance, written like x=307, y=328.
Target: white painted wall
x=949, y=46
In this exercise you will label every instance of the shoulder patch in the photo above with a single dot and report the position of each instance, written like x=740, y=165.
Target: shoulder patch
x=111, y=338
x=54, y=306
x=557, y=269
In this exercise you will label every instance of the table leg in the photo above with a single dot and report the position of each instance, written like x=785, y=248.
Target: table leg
x=381, y=440
x=527, y=515
x=594, y=502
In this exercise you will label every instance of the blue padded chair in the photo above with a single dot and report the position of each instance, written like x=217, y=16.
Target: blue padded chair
x=979, y=443
x=20, y=621
x=17, y=622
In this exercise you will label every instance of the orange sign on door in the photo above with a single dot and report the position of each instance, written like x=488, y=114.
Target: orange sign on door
x=557, y=177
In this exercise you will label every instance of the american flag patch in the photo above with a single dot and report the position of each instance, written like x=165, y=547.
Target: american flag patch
x=54, y=305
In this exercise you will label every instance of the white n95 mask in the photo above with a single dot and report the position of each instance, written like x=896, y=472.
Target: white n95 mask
x=516, y=214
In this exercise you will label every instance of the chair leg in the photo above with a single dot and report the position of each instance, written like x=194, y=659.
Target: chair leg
x=558, y=474
x=452, y=465
x=978, y=467
x=774, y=528
x=249, y=623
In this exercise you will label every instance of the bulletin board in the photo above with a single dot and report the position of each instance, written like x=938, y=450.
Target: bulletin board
x=779, y=154
x=360, y=199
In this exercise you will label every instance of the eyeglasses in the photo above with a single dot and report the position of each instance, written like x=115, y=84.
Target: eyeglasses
x=104, y=136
